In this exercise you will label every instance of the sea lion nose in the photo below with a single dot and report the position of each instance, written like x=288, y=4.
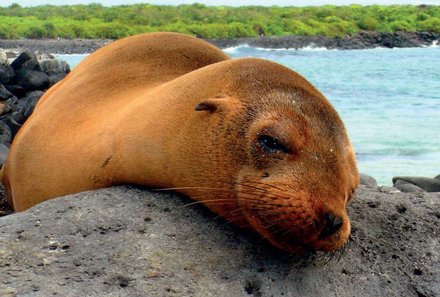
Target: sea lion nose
x=332, y=225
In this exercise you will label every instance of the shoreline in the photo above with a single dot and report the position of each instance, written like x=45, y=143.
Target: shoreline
x=361, y=40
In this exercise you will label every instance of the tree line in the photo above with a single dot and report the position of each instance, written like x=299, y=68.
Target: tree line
x=97, y=21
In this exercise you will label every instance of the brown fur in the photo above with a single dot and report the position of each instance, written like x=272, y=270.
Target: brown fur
x=127, y=114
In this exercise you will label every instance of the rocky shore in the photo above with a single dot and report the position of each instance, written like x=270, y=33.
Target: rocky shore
x=23, y=80
x=361, y=40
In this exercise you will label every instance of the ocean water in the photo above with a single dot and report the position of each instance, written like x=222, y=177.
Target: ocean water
x=389, y=100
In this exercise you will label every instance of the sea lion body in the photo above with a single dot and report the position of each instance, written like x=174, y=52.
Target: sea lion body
x=253, y=140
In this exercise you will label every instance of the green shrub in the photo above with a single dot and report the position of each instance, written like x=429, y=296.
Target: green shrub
x=97, y=21
x=35, y=32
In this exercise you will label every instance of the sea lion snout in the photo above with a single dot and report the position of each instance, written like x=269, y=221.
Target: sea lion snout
x=332, y=224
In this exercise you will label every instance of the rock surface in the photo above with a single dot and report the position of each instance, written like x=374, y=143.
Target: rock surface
x=127, y=241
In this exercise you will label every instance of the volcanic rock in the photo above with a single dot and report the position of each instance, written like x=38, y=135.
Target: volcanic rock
x=130, y=242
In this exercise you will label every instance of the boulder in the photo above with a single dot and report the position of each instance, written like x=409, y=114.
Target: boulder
x=54, y=66
x=16, y=89
x=54, y=78
x=406, y=187
x=32, y=80
x=11, y=121
x=4, y=93
x=3, y=151
x=368, y=181
x=3, y=58
x=26, y=106
x=26, y=60
x=5, y=134
x=425, y=183
x=6, y=73
x=127, y=241
x=31, y=65
x=12, y=104
x=3, y=108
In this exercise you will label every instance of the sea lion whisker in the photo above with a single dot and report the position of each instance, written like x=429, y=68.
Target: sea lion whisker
x=233, y=220
x=271, y=196
x=267, y=193
x=209, y=202
x=271, y=185
x=185, y=188
x=324, y=258
x=262, y=195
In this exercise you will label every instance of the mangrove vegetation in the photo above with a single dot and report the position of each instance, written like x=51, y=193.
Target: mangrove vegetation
x=97, y=21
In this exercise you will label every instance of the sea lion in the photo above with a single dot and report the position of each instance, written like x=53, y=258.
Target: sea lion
x=251, y=139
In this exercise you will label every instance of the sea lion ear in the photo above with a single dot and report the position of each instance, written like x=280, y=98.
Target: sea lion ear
x=208, y=105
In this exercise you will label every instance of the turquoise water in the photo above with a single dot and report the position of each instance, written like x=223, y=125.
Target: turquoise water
x=389, y=100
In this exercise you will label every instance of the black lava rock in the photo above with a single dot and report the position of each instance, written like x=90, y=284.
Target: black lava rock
x=54, y=78
x=5, y=134
x=32, y=80
x=6, y=73
x=11, y=121
x=12, y=104
x=4, y=93
x=16, y=89
x=24, y=57
x=26, y=106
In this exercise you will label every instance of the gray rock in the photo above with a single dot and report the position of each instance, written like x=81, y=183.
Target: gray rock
x=54, y=66
x=4, y=150
x=388, y=190
x=44, y=56
x=407, y=187
x=3, y=58
x=368, y=181
x=437, y=177
x=425, y=183
x=5, y=134
x=130, y=242
x=32, y=80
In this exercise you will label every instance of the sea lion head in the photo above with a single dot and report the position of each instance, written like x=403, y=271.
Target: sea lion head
x=289, y=161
